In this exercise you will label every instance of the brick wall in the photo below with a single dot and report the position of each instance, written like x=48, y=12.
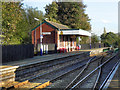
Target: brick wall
x=47, y=39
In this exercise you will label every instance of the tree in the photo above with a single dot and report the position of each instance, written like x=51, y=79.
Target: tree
x=94, y=39
x=11, y=15
x=28, y=23
x=109, y=39
x=85, y=40
x=32, y=13
x=51, y=12
x=18, y=22
x=119, y=39
x=71, y=14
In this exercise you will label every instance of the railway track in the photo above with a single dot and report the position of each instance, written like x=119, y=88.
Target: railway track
x=61, y=75
x=102, y=74
x=30, y=71
x=105, y=72
x=65, y=73
x=79, y=69
x=81, y=74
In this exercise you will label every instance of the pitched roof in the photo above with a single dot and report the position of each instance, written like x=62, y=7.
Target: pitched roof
x=52, y=24
x=57, y=25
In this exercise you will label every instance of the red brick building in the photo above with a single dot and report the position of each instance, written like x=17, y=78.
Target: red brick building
x=57, y=36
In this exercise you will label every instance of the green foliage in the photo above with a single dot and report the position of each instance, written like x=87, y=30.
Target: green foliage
x=84, y=40
x=94, y=39
x=119, y=40
x=28, y=23
x=17, y=22
x=77, y=40
x=71, y=14
x=11, y=15
x=109, y=39
x=51, y=12
x=32, y=13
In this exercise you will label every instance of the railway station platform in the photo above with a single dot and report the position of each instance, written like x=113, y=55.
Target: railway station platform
x=9, y=69
x=38, y=59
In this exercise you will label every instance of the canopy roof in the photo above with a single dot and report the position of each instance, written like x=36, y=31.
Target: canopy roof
x=75, y=32
x=52, y=24
x=65, y=30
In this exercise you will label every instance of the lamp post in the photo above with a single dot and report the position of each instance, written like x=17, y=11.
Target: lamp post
x=79, y=42
x=90, y=39
x=41, y=36
x=99, y=43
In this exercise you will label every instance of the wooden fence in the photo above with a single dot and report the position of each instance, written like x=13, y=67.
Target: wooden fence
x=17, y=52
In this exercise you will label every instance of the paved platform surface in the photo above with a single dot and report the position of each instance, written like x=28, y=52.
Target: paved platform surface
x=38, y=59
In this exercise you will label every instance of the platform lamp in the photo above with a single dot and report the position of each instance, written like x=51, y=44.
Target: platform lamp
x=99, y=43
x=90, y=39
x=41, y=36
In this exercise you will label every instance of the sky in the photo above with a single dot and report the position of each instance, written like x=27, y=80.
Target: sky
x=103, y=13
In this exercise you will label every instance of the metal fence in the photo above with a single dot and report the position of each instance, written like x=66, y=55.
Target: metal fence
x=17, y=52
x=95, y=45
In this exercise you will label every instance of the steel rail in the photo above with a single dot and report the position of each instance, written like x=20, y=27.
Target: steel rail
x=104, y=82
x=92, y=72
x=111, y=76
x=54, y=79
x=46, y=62
x=76, y=56
x=72, y=70
x=56, y=70
x=44, y=67
x=79, y=73
x=98, y=77
x=36, y=63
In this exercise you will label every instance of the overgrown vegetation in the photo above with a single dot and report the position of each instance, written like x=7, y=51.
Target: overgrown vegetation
x=110, y=39
x=17, y=22
x=71, y=14
x=94, y=39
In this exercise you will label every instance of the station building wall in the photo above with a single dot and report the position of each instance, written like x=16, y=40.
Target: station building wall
x=47, y=39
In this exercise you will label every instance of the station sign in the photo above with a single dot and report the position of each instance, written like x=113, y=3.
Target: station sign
x=46, y=33
x=61, y=33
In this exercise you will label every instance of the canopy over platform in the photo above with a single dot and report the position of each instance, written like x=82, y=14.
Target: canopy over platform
x=79, y=32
